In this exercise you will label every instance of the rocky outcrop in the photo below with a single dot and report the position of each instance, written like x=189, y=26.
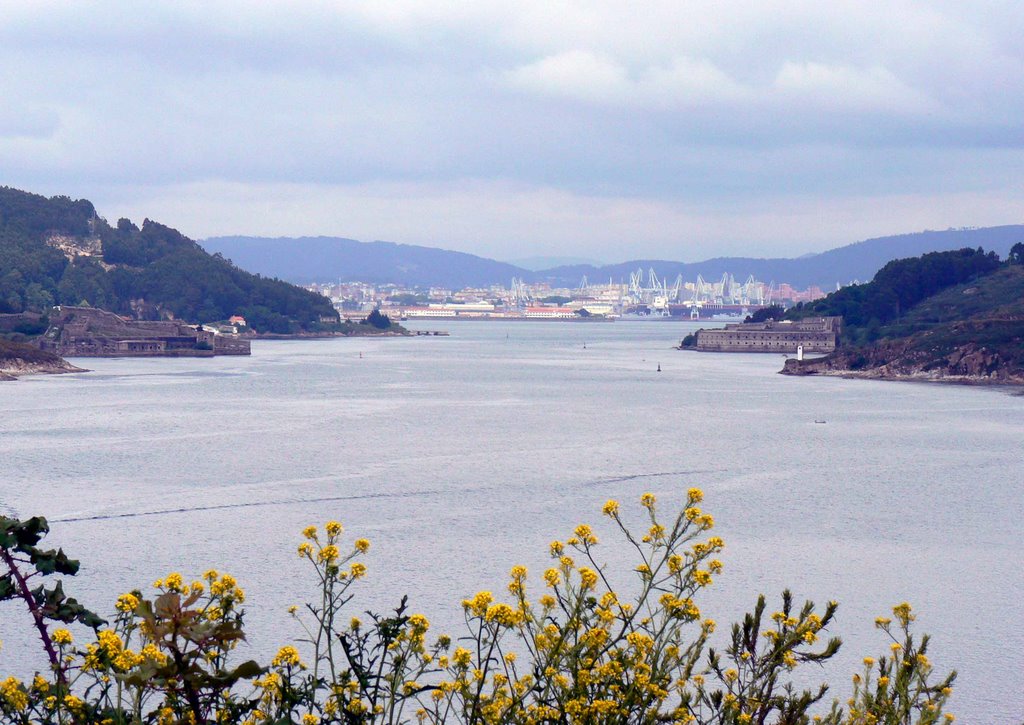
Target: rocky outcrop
x=988, y=352
x=17, y=359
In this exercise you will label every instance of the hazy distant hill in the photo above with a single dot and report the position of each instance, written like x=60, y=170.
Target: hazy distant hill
x=323, y=259
x=857, y=261
x=539, y=263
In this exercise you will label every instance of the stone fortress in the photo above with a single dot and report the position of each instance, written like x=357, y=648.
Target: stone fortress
x=817, y=335
x=89, y=332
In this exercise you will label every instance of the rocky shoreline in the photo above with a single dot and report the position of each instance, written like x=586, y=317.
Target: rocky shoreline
x=13, y=368
x=968, y=364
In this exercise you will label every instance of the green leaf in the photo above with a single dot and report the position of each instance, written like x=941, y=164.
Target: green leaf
x=247, y=670
x=7, y=588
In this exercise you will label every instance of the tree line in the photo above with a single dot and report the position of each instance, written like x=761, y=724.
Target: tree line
x=151, y=272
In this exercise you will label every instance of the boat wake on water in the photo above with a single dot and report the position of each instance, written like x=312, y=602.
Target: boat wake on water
x=245, y=504
x=632, y=477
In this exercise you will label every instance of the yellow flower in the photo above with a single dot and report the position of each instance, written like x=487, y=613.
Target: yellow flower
x=611, y=508
x=329, y=554
x=358, y=570
x=902, y=612
x=305, y=549
x=309, y=532
x=14, y=693
x=333, y=528
x=362, y=545
x=585, y=534
x=479, y=603
x=127, y=603
x=588, y=577
x=695, y=495
x=174, y=582
x=61, y=636
x=309, y=719
x=647, y=500
x=552, y=577
x=287, y=656
x=502, y=614
x=869, y=661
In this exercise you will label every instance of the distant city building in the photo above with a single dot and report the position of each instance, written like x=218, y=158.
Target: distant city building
x=550, y=313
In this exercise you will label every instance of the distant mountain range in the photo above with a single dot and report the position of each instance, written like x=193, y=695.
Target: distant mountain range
x=326, y=259
x=539, y=263
x=329, y=259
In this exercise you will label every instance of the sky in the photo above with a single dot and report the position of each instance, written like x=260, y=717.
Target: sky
x=606, y=130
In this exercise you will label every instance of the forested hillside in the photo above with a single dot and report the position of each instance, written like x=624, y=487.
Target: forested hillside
x=895, y=289
x=949, y=316
x=59, y=251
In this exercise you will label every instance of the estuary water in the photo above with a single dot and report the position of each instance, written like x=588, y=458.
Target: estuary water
x=461, y=456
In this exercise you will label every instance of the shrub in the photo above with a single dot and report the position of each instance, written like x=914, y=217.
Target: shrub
x=576, y=651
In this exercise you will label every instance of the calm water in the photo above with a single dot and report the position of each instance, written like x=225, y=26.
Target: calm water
x=459, y=457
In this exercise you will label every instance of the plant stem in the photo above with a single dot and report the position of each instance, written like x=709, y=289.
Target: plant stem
x=37, y=615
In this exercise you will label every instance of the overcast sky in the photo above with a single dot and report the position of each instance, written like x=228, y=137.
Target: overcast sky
x=677, y=130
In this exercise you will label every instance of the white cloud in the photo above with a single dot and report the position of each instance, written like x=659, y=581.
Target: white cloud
x=681, y=113
x=576, y=74
x=585, y=76
x=845, y=88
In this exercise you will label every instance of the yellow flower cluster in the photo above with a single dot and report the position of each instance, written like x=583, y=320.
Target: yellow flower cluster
x=61, y=637
x=287, y=656
x=127, y=603
x=478, y=604
x=12, y=691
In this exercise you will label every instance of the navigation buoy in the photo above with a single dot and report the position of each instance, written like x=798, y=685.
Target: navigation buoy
x=659, y=367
